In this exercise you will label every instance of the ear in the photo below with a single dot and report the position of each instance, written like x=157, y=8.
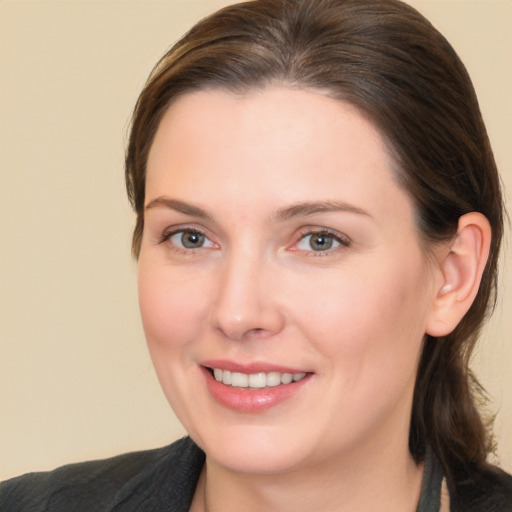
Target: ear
x=462, y=263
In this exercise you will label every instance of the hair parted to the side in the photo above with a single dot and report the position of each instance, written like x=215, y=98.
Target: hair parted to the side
x=387, y=60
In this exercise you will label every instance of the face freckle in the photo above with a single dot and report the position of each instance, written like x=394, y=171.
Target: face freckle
x=260, y=176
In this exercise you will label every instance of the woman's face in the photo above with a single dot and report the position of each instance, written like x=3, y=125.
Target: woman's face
x=277, y=242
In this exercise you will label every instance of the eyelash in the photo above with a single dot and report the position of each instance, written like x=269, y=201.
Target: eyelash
x=342, y=241
x=167, y=236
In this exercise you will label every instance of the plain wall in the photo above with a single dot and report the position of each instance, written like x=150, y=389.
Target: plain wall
x=76, y=382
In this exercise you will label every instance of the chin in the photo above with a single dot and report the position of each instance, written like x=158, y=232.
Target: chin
x=253, y=450
x=257, y=461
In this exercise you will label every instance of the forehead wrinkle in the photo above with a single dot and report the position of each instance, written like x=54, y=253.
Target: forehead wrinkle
x=307, y=208
x=178, y=206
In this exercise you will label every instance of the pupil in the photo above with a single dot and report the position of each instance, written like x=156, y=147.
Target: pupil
x=321, y=242
x=192, y=239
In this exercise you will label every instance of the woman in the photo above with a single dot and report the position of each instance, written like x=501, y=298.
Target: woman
x=318, y=226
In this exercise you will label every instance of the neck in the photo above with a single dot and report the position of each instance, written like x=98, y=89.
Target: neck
x=386, y=481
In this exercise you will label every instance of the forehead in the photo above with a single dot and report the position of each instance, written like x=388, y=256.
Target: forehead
x=284, y=144
x=274, y=121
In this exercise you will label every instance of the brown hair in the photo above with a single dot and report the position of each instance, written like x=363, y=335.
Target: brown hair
x=387, y=60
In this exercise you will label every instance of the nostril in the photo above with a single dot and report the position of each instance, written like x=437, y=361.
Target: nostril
x=256, y=332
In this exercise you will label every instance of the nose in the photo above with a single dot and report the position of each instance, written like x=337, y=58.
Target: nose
x=246, y=305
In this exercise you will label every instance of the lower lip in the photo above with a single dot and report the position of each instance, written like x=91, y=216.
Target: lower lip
x=251, y=400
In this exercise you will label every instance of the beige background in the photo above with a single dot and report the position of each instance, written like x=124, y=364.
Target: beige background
x=75, y=380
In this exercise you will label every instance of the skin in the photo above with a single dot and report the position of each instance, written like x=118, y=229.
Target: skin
x=353, y=316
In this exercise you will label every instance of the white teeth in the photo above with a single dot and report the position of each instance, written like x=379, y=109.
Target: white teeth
x=273, y=379
x=255, y=380
x=239, y=380
x=286, y=378
x=226, y=377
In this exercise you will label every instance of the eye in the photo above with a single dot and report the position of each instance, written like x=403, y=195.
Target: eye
x=320, y=241
x=189, y=239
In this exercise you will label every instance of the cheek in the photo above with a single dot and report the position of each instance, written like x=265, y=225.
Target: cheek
x=371, y=315
x=170, y=307
x=171, y=310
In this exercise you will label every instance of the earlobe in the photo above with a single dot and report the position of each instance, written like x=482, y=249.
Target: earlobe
x=462, y=265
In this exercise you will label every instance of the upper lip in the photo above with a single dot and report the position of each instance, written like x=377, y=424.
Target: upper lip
x=250, y=368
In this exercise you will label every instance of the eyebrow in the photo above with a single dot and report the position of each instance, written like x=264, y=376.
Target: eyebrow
x=179, y=206
x=302, y=209
x=311, y=208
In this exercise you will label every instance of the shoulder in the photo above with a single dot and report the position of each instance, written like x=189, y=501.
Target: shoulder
x=486, y=489
x=140, y=481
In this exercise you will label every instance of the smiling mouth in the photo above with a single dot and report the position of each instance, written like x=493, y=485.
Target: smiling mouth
x=255, y=380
